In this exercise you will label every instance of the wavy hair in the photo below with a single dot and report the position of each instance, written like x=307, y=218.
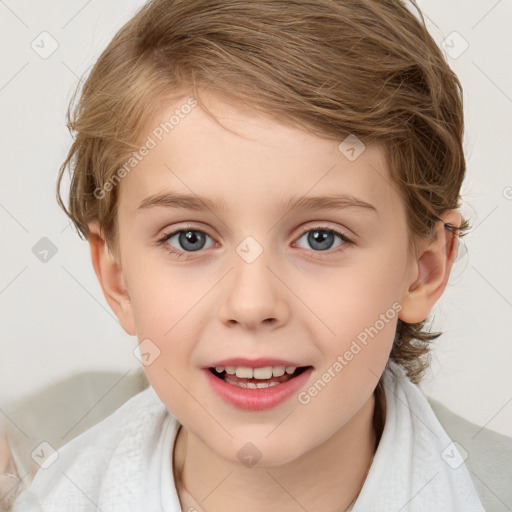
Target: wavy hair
x=333, y=67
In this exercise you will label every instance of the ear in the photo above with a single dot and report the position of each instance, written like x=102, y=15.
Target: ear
x=109, y=273
x=431, y=270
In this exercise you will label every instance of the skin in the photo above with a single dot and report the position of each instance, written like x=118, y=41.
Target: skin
x=9, y=476
x=294, y=301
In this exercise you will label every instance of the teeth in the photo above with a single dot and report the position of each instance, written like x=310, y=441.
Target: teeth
x=264, y=373
x=253, y=385
x=261, y=385
x=277, y=371
x=243, y=372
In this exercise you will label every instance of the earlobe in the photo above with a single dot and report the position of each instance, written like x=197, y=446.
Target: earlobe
x=109, y=273
x=433, y=265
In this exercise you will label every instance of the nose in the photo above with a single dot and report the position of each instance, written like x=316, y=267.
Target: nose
x=255, y=296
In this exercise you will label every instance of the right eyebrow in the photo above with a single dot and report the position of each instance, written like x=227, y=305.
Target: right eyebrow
x=171, y=200
x=198, y=203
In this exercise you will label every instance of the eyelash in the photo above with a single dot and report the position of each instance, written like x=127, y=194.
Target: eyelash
x=186, y=255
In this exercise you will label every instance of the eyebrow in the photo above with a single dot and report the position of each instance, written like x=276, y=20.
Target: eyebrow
x=329, y=202
x=195, y=202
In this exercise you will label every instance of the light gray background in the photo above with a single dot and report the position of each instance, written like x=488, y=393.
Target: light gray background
x=54, y=319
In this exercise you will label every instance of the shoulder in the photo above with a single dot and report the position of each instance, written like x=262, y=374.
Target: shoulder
x=487, y=454
x=105, y=461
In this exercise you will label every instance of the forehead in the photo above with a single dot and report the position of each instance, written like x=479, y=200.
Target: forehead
x=264, y=163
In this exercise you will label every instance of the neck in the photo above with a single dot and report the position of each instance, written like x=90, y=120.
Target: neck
x=208, y=482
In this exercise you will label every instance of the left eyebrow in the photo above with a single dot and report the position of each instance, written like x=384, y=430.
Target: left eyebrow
x=329, y=202
x=195, y=202
x=187, y=201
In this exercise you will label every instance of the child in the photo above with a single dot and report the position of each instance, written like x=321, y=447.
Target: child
x=312, y=150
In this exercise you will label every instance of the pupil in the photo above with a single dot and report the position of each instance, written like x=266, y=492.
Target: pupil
x=189, y=238
x=321, y=237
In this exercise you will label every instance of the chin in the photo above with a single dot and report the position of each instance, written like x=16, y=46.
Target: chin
x=259, y=451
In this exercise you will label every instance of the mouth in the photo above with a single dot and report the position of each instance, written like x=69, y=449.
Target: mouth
x=257, y=384
x=257, y=378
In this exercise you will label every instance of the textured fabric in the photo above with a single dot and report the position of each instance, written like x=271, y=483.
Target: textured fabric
x=62, y=411
x=113, y=466
x=123, y=463
x=416, y=467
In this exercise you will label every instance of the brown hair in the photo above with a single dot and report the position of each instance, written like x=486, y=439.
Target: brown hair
x=333, y=67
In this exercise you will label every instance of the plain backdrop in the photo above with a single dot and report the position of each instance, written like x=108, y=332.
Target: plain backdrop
x=55, y=321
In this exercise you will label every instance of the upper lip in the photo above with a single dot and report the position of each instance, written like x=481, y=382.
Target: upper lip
x=259, y=362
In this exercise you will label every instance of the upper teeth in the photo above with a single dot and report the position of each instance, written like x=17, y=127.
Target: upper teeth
x=244, y=372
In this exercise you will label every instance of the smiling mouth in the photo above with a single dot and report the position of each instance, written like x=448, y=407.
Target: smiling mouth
x=255, y=383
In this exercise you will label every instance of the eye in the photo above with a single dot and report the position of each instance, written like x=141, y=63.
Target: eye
x=188, y=240
x=322, y=238
x=182, y=242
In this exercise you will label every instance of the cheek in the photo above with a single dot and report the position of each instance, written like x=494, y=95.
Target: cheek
x=357, y=310
x=164, y=298
x=349, y=299
x=166, y=308
x=166, y=311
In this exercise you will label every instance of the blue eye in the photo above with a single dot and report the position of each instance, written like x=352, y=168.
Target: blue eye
x=189, y=240
x=322, y=239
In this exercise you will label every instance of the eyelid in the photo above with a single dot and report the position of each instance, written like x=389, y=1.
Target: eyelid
x=304, y=229
x=322, y=225
x=186, y=226
x=178, y=253
x=318, y=225
x=174, y=231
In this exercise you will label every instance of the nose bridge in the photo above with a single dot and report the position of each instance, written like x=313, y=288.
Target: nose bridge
x=254, y=296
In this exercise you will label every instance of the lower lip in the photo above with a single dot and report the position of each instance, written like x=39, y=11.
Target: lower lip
x=257, y=399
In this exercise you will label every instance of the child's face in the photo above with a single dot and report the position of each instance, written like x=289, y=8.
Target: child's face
x=293, y=302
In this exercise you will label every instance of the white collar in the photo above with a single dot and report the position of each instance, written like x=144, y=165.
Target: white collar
x=416, y=467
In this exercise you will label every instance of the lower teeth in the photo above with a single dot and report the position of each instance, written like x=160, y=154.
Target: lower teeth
x=253, y=385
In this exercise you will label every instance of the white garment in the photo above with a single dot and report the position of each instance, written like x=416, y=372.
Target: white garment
x=123, y=464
